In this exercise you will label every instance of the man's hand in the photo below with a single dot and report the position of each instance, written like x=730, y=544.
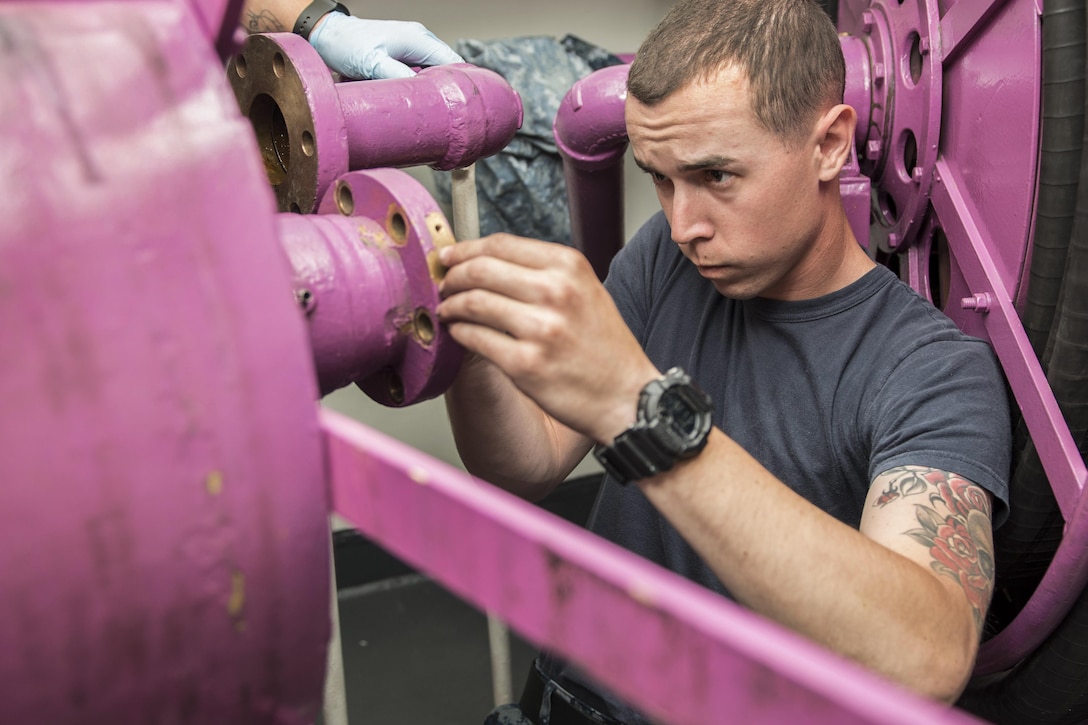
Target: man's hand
x=537, y=311
x=372, y=49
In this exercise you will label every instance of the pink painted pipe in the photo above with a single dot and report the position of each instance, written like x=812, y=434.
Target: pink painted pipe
x=592, y=138
x=312, y=130
x=366, y=276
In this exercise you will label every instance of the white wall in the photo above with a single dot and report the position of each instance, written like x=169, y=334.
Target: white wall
x=617, y=25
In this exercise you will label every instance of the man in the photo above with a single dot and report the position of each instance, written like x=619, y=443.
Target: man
x=353, y=47
x=860, y=443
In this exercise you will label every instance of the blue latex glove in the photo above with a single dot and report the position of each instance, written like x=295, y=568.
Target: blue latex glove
x=361, y=49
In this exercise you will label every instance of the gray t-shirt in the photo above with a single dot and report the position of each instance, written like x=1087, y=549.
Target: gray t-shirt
x=826, y=393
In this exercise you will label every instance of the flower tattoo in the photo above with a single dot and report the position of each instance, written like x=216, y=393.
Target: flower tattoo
x=955, y=526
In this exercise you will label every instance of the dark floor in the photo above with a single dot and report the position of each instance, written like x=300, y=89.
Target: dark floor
x=414, y=654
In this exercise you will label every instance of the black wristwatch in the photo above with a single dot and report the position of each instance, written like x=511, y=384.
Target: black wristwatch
x=314, y=12
x=674, y=421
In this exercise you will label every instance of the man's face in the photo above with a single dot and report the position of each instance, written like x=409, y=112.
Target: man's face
x=744, y=206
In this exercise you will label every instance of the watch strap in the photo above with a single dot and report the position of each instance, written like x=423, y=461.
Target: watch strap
x=652, y=445
x=314, y=12
x=634, y=455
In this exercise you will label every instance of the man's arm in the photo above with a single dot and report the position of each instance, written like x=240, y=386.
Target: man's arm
x=271, y=16
x=503, y=436
x=898, y=595
x=879, y=595
x=510, y=302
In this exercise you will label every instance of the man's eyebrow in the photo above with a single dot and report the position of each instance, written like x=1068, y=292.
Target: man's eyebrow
x=710, y=162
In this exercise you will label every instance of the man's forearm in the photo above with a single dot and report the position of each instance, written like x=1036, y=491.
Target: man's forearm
x=271, y=16
x=504, y=437
x=794, y=563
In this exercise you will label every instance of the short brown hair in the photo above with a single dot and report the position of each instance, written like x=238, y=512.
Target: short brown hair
x=789, y=50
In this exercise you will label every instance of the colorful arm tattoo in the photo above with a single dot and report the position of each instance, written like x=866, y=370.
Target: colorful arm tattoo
x=955, y=526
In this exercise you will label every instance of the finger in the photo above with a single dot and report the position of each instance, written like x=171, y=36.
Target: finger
x=505, y=315
x=517, y=250
x=495, y=275
x=486, y=342
x=385, y=67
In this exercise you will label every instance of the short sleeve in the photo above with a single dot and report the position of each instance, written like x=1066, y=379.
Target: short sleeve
x=946, y=406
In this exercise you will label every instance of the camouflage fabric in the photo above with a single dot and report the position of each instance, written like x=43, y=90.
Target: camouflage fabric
x=507, y=715
x=521, y=190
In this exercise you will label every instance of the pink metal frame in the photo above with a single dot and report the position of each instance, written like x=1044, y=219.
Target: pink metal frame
x=682, y=653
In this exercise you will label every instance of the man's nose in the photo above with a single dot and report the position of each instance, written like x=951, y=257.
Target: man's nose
x=689, y=221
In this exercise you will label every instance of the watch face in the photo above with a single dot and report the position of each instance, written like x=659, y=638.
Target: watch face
x=676, y=412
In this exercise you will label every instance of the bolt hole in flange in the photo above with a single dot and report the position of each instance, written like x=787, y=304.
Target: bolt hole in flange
x=886, y=211
x=270, y=128
x=397, y=226
x=910, y=154
x=240, y=66
x=345, y=201
x=395, y=386
x=914, y=59
x=279, y=65
x=423, y=326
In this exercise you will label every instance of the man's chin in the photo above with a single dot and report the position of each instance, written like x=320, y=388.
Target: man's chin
x=735, y=290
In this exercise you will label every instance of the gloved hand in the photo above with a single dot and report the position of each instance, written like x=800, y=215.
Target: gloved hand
x=361, y=49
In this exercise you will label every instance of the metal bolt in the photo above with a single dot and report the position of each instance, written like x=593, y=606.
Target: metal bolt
x=867, y=21
x=893, y=240
x=878, y=74
x=916, y=175
x=923, y=46
x=979, y=303
x=872, y=149
x=306, y=300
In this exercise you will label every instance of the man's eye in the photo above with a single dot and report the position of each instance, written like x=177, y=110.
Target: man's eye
x=717, y=176
x=657, y=178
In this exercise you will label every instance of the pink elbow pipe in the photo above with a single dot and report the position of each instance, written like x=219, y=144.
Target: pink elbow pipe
x=312, y=130
x=591, y=135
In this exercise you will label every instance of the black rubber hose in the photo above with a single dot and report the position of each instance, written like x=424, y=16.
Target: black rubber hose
x=1048, y=687
x=1060, y=143
x=1067, y=368
x=1026, y=543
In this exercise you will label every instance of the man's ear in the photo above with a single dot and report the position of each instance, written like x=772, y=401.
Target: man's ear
x=834, y=138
